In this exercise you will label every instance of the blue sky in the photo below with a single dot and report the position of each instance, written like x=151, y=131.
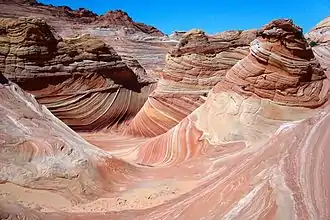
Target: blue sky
x=211, y=16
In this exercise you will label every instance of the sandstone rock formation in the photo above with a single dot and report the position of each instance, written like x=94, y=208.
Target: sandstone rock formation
x=81, y=80
x=144, y=43
x=39, y=151
x=319, y=39
x=281, y=67
x=249, y=101
x=192, y=68
x=237, y=127
x=177, y=35
x=241, y=154
x=121, y=18
x=261, y=144
x=111, y=18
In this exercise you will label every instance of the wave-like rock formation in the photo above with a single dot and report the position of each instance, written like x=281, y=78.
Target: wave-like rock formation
x=144, y=43
x=319, y=39
x=281, y=67
x=246, y=153
x=39, y=151
x=239, y=121
x=278, y=81
x=283, y=179
x=81, y=80
x=259, y=130
x=121, y=18
x=82, y=15
x=192, y=68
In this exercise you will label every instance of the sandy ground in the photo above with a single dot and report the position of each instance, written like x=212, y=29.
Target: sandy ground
x=146, y=195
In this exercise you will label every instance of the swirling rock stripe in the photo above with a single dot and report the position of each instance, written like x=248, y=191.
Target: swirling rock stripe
x=159, y=114
x=93, y=102
x=273, y=181
x=280, y=67
x=83, y=81
x=283, y=178
x=192, y=69
x=39, y=151
x=319, y=38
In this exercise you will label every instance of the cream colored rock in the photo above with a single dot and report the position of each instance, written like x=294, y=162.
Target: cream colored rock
x=192, y=68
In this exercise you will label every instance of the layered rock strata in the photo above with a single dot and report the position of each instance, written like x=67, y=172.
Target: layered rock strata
x=196, y=64
x=319, y=40
x=38, y=151
x=121, y=18
x=116, y=18
x=243, y=154
x=83, y=81
x=255, y=127
x=281, y=67
x=144, y=43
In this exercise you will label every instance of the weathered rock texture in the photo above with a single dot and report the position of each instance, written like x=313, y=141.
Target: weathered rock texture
x=319, y=39
x=81, y=80
x=240, y=155
x=196, y=64
x=121, y=18
x=254, y=131
x=142, y=42
x=281, y=67
x=39, y=151
x=82, y=15
x=177, y=35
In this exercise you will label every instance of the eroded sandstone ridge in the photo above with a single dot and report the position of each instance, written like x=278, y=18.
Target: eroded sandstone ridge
x=83, y=81
x=241, y=108
x=281, y=67
x=115, y=18
x=248, y=152
x=144, y=43
x=39, y=151
x=121, y=18
x=319, y=39
x=192, y=68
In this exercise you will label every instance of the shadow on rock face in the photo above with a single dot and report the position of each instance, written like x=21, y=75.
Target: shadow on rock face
x=3, y=80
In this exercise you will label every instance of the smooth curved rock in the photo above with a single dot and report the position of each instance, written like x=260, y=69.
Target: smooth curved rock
x=256, y=147
x=196, y=64
x=81, y=80
x=319, y=39
x=264, y=153
x=121, y=18
x=281, y=67
x=39, y=151
x=129, y=38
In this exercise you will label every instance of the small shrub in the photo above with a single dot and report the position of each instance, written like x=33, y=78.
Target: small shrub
x=312, y=44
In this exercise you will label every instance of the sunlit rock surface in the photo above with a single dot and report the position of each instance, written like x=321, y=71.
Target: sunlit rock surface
x=256, y=147
x=319, y=39
x=38, y=151
x=281, y=67
x=196, y=64
x=144, y=43
x=82, y=81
